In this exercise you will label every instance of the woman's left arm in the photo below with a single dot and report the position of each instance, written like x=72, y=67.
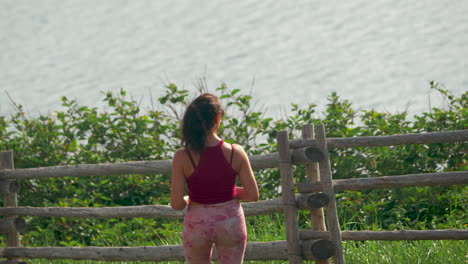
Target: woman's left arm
x=178, y=183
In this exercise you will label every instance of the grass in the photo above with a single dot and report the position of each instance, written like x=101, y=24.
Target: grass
x=271, y=228
x=411, y=252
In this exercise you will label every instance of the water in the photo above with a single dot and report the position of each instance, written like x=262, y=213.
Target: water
x=377, y=54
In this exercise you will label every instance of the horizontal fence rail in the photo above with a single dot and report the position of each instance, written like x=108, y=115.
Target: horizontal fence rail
x=144, y=211
x=262, y=161
x=382, y=141
x=250, y=209
x=389, y=182
x=444, y=234
x=276, y=250
x=264, y=207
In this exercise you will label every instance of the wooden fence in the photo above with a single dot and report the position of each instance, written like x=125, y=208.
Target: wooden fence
x=317, y=193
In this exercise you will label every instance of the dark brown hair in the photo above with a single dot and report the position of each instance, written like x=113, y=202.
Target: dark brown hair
x=198, y=120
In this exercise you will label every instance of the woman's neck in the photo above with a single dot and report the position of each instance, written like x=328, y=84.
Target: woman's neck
x=212, y=140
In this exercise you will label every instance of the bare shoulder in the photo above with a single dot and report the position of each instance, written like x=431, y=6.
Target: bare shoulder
x=239, y=151
x=238, y=148
x=180, y=156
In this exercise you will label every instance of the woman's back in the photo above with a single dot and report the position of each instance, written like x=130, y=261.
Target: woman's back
x=213, y=179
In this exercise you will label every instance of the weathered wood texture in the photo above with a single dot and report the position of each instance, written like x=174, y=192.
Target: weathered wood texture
x=388, y=182
x=289, y=199
x=159, y=253
x=331, y=210
x=103, y=169
x=276, y=250
x=394, y=140
x=302, y=155
x=144, y=211
x=445, y=234
x=12, y=262
x=9, y=186
x=10, y=199
x=12, y=224
x=319, y=249
x=314, y=201
x=312, y=175
x=262, y=161
x=266, y=207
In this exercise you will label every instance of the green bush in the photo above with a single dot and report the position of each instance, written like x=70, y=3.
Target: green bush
x=126, y=132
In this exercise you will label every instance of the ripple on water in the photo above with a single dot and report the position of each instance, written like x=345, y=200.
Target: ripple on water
x=376, y=54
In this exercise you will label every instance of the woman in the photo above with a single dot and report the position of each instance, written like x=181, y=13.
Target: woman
x=208, y=167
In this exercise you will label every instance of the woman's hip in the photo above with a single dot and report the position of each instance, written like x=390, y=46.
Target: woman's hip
x=208, y=213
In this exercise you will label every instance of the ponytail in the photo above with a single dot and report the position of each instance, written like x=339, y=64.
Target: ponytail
x=199, y=120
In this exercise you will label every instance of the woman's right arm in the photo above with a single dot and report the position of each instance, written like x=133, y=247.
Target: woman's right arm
x=178, y=183
x=249, y=189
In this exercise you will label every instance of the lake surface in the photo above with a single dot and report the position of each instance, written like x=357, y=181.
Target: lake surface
x=377, y=54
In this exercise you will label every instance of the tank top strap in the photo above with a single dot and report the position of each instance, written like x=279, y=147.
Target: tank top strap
x=191, y=159
x=232, y=153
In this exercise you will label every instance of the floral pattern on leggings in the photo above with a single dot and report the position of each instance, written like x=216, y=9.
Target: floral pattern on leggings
x=220, y=224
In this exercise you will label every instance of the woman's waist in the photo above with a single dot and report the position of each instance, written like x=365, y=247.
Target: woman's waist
x=207, y=213
x=232, y=200
x=212, y=195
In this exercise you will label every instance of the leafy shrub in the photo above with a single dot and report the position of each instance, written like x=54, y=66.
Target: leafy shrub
x=125, y=132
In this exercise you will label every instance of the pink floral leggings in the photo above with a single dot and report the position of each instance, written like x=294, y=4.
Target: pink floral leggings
x=221, y=224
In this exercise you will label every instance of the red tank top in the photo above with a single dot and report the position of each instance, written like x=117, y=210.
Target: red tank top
x=214, y=179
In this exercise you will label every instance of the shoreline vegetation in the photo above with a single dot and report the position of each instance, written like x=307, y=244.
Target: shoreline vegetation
x=125, y=132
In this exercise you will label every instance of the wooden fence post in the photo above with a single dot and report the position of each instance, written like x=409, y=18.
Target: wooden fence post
x=289, y=200
x=312, y=174
x=10, y=199
x=326, y=179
